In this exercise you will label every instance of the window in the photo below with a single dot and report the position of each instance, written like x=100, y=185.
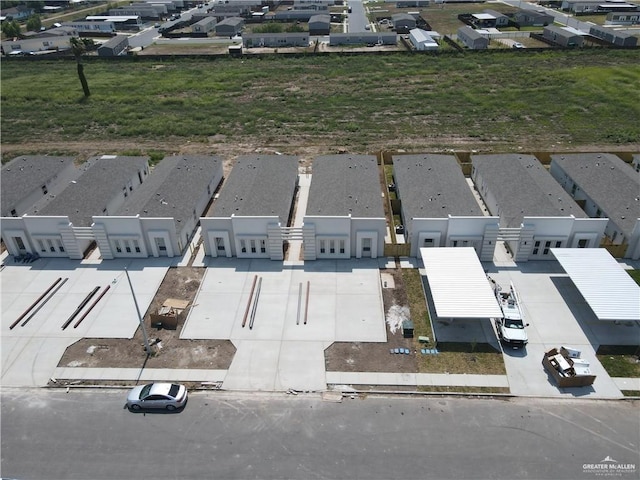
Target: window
x=136, y=246
x=582, y=243
x=19, y=243
x=455, y=243
x=60, y=246
x=51, y=247
x=127, y=247
x=243, y=246
x=322, y=246
x=428, y=242
x=558, y=244
x=547, y=245
x=253, y=246
x=341, y=246
x=332, y=246
x=117, y=245
x=41, y=246
x=263, y=246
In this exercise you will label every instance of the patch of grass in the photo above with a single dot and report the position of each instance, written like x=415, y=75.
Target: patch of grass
x=635, y=274
x=620, y=360
x=498, y=100
x=630, y=393
x=417, y=306
x=481, y=363
x=457, y=389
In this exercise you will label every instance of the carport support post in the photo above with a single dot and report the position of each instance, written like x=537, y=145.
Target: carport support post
x=147, y=348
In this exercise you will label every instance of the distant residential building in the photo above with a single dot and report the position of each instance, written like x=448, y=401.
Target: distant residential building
x=623, y=18
x=403, y=22
x=421, y=40
x=275, y=40
x=563, y=36
x=229, y=27
x=114, y=46
x=532, y=18
x=472, y=39
x=320, y=24
x=615, y=37
x=204, y=26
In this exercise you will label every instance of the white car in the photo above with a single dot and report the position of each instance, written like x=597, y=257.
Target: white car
x=170, y=396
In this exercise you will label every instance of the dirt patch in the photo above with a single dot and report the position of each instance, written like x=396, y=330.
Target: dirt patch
x=170, y=351
x=377, y=357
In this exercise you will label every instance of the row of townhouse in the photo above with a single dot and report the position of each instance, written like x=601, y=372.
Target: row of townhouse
x=123, y=208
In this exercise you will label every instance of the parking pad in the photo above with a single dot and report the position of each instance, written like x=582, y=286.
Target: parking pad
x=30, y=353
x=276, y=349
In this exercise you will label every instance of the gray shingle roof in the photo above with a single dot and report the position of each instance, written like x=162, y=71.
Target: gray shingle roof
x=103, y=179
x=522, y=186
x=259, y=185
x=22, y=175
x=173, y=188
x=345, y=184
x=433, y=186
x=613, y=185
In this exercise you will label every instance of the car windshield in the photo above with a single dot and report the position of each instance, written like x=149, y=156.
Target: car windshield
x=173, y=392
x=145, y=391
x=513, y=324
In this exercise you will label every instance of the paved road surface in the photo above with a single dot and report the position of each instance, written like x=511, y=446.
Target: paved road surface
x=87, y=434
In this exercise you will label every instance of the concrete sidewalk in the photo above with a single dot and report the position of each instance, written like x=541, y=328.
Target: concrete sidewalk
x=416, y=379
x=137, y=374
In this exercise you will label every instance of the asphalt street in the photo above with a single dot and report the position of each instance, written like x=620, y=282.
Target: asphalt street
x=87, y=434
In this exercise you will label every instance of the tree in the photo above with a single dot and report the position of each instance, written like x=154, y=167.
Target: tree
x=79, y=47
x=11, y=29
x=34, y=23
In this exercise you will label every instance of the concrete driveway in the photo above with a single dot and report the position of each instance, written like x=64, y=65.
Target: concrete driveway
x=558, y=316
x=281, y=351
x=30, y=353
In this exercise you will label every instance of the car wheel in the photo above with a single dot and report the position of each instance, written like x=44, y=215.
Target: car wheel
x=135, y=406
x=171, y=408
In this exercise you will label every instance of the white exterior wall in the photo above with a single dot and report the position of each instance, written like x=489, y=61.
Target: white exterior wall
x=46, y=236
x=158, y=233
x=217, y=227
x=248, y=237
x=372, y=228
x=455, y=231
x=558, y=232
x=331, y=229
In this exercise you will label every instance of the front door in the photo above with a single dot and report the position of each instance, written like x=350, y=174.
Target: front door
x=161, y=246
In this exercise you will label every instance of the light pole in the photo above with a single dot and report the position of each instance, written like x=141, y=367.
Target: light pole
x=147, y=348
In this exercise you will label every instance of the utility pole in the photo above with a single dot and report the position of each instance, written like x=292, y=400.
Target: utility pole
x=147, y=348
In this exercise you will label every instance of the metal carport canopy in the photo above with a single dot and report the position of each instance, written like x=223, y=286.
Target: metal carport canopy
x=610, y=291
x=458, y=283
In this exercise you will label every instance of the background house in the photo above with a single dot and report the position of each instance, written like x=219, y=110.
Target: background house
x=253, y=208
x=536, y=214
x=403, y=22
x=532, y=18
x=161, y=216
x=472, y=39
x=320, y=24
x=421, y=40
x=275, y=40
x=204, y=26
x=438, y=207
x=604, y=186
x=62, y=227
x=114, y=46
x=229, y=27
x=345, y=215
x=563, y=36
